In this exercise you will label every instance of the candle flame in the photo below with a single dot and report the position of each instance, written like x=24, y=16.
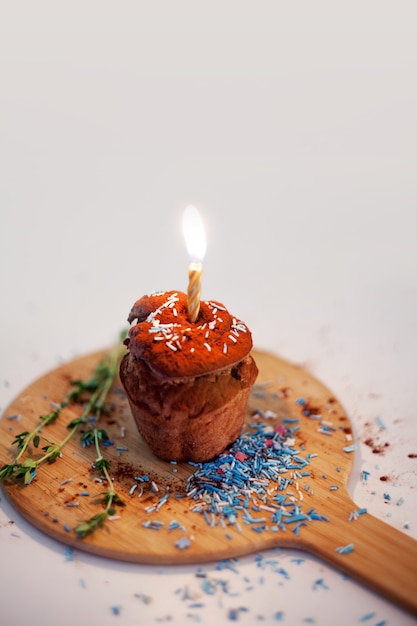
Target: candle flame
x=194, y=234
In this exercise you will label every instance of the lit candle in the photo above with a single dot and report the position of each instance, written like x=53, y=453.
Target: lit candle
x=195, y=240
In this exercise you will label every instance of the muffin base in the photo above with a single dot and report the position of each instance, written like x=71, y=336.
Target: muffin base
x=192, y=419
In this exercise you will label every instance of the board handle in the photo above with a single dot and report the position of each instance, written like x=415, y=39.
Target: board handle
x=382, y=558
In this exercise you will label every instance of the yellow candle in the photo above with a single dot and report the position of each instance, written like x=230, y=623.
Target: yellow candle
x=195, y=240
x=195, y=272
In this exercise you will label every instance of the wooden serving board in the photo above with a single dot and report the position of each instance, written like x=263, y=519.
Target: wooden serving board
x=382, y=558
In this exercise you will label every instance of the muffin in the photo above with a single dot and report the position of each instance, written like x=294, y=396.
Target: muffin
x=187, y=384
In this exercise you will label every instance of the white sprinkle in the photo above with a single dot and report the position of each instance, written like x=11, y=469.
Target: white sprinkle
x=270, y=509
x=174, y=310
x=207, y=335
x=171, y=347
x=113, y=518
x=233, y=338
x=122, y=432
x=206, y=345
x=224, y=348
x=192, y=349
x=132, y=489
x=67, y=480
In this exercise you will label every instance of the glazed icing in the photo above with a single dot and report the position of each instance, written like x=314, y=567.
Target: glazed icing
x=173, y=347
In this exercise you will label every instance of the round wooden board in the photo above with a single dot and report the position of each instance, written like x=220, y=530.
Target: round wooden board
x=54, y=501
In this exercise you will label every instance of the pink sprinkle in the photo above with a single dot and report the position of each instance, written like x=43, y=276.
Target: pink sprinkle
x=269, y=443
x=280, y=429
x=241, y=456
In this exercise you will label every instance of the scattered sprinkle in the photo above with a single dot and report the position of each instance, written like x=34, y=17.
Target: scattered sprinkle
x=345, y=549
x=380, y=423
x=183, y=543
x=116, y=610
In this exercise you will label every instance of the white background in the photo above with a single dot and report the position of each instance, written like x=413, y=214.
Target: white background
x=293, y=128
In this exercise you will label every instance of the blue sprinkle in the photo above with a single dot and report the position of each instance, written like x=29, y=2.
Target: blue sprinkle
x=67, y=528
x=182, y=543
x=367, y=617
x=345, y=549
x=278, y=616
x=153, y=524
x=69, y=555
x=350, y=448
x=320, y=583
x=400, y=501
x=227, y=564
x=387, y=496
x=301, y=401
x=174, y=525
x=116, y=610
x=365, y=475
x=233, y=614
x=380, y=423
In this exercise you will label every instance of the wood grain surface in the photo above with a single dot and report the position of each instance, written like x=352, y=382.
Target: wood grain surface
x=382, y=558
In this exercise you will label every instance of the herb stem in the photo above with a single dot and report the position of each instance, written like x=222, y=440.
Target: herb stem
x=45, y=420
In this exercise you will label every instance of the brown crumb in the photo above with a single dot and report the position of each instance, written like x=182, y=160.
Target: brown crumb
x=412, y=455
x=377, y=448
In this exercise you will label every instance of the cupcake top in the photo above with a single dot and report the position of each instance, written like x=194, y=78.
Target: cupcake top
x=174, y=347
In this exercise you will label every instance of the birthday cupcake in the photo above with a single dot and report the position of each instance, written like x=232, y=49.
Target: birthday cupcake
x=187, y=383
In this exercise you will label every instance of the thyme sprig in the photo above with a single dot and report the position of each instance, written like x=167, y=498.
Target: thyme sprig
x=95, y=389
x=109, y=497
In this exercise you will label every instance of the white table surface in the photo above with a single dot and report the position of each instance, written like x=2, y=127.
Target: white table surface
x=293, y=128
